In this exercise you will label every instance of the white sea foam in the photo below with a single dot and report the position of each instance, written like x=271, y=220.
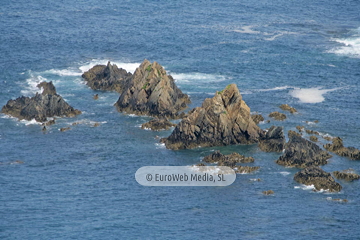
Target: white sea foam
x=311, y=95
x=130, y=67
x=64, y=72
x=305, y=187
x=284, y=173
x=350, y=47
x=275, y=89
x=32, y=83
x=160, y=145
x=247, y=29
x=191, y=78
x=31, y=122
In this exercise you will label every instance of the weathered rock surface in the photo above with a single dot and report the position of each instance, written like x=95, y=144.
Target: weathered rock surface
x=286, y=107
x=268, y=192
x=245, y=169
x=150, y=91
x=257, y=118
x=337, y=147
x=41, y=106
x=273, y=140
x=300, y=128
x=319, y=178
x=313, y=138
x=347, y=175
x=222, y=120
x=106, y=77
x=302, y=153
x=158, y=124
x=218, y=157
x=308, y=131
x=277, y=116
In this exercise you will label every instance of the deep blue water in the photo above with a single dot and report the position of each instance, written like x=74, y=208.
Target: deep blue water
x=80, y=184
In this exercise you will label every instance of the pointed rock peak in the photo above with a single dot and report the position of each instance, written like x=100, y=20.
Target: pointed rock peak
x=48, y=88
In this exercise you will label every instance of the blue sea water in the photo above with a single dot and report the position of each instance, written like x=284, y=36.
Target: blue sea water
x=80, y=184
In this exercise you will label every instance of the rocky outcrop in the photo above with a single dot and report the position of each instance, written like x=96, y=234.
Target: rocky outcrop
x=273, y=140
x=245, y=169
x=319, y=178
x=150, y=91
x=300, y=128
x=257, y=118
x=218, y=157
x=347, y=175
x=286, y=107
x=106, y=77
x=222, y=120
x=313, y=138
x=277, y=116
x=41, y=106
x=308, y=131
x=158, y=124
x=268, y=192
x=302, y=153
x=338, y=148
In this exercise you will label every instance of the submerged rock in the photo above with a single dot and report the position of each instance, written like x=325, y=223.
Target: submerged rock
x=347, y=175
x=41, y=106
x=257, y=118
x=319, y=178
x=273, y=140
x=302, y=153
x=222, y=120
x=268, y=192
x=286, y=107
x=64, y=129
x=158, y=124
x=338, y=148
x=106, y=77
x=150, y=91
x=277, y=116
x=312, y=132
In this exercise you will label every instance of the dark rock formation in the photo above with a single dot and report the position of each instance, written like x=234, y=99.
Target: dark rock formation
x=64, y=129
x=319, y=178
x=234, y=158
x=245, y=169
x=273, y=140
x=300, y=128
x=268, y=192
x=347, y=175
x=96, y=97
x=150, y=91
x=338, y=148
x=222, y=120
x=41, y=106
x=158, y=124
x=286, y=107
x=106, y=77
x=277, y=116
x=257, y=118
x=313, y=138
x=302, y=153
x=49, y=123
x=312, y=132
x=327, y=138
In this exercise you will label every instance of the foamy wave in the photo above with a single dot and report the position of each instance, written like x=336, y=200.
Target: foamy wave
x=284, y=173
x=275, y=89
x=32, y=83
x=247, y=29
x=130, y=67
x=191, y=78
x=351, y=47
x=311, y=95
x=305, y=187
x=160, y=145
x=31, y=122
x=64, y=72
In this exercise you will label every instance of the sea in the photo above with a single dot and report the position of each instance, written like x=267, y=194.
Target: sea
x=80, y=184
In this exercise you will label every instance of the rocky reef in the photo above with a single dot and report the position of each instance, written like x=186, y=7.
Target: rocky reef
x=347, y=175
x=150, y=91
x=222, y=120
x=286, y=107
x=278, y=116
x=41, y=106
x=319, y=178
x=338, y=148
x=302, y=153
x=273, y=140
x=158, y=124
x=106, y=77
x=257, y=118
x=218, y=157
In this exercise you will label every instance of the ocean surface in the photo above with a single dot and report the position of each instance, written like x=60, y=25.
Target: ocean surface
x=80, y=184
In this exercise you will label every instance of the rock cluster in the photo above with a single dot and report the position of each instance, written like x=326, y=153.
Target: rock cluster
x=277, y=116
x=257, y=118
x=218, y=157
x=347, y=175
x=106, y=77
x=222, y=120
x=286, y=107
x=319, y=178
x=150, y=91
x=41, y=106
x=273, y=140
x=338, y=148
x=158, y=124
x=302, y=153
x=245, y=169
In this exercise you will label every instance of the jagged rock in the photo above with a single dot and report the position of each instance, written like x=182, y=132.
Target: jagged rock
x=158, y=124
x=302, y=153
x=245, y=169
x=200, y=165
x=347, y=175
x=150, y=91
x=277, y=116
x=312, y=132
x=268, y=192
x=338, y=148
x=286, y=107
x=44, y=128
x=257, y=118
x=327, y=138
x=313, y=138
x=41, y=106
x=233, y=157
x=96, y=97
x=273, y=140
x=75, y=123
x=106, y=77
x=300, y=128
x=222, y=120
x=340, y=200
x=317, y=177
x=96, y=124
x=64, y=129
x=49, y=123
